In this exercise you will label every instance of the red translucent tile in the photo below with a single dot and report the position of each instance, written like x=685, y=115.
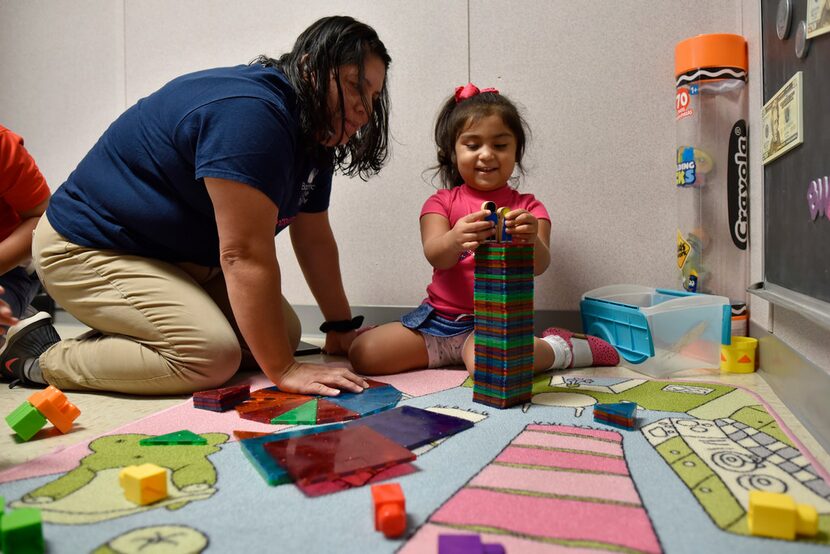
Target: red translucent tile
x=241, y=435
x=219, y=394
x=337, y=454
x=273, y=393
x=356, y=480
x=276, y=409
x=328, y=412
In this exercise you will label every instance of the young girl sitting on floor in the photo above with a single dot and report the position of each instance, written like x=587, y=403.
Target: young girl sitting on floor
x=481, y=139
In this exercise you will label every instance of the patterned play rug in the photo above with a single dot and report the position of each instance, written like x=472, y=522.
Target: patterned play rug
x=543, y=477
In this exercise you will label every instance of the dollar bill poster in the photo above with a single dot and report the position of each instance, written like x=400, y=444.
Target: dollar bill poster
x=783, y=121
x=818, y=17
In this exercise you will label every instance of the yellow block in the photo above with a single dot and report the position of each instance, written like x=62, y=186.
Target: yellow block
x=144, y=484
x=777, y=515
x=738, y=357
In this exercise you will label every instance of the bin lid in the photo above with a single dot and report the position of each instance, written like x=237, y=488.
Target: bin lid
x=710, y=51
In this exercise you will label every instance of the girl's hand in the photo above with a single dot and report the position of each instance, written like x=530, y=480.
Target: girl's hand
x=470, y=230
x=523, y=225
x=319, y=379
x=339, y=343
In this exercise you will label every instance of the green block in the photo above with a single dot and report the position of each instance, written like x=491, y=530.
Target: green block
x=26, y=420
x=2, y=507
x=22, y=531
x=305, y=414
x=184, y=437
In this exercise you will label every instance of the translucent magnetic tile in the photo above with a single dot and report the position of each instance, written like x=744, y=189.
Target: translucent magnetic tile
x=328, y=412
x=265, y=415
x=413, y=427
x=273, y=393
x=241, y=434
x=254, y=450
x=370, y=401
x=305, y=414
x=357, y=480
x=337, y=454
x=219, y=394
x=269, y=398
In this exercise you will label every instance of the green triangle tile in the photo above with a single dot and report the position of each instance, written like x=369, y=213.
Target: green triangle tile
x=179, y=437
x=306, y=414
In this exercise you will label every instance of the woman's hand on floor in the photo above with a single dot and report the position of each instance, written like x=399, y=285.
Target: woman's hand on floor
x=319, y=379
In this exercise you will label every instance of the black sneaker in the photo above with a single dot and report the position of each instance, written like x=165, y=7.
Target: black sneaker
x=28, y=339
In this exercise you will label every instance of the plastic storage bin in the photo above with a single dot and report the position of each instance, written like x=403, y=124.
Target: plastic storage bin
x=659, y=331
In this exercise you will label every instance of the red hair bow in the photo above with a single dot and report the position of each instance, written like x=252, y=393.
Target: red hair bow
x=469, y=90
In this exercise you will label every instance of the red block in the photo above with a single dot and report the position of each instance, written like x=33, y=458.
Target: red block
x=390, y=509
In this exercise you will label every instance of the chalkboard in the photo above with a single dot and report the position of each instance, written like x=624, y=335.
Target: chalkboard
x=797, y=247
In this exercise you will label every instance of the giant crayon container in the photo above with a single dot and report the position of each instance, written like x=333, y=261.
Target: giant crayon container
x=712, y=175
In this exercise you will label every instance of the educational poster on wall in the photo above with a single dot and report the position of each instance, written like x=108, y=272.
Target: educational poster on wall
x=783, y=120
x=818, y=17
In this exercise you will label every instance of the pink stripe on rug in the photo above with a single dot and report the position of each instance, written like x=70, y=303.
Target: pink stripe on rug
x=617, y=488
x=598, y=433
x=553, y=518
x=569, y=442
x=426, y=540
x=565, y=460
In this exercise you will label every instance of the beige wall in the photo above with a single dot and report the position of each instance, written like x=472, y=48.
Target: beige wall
x=595, y=80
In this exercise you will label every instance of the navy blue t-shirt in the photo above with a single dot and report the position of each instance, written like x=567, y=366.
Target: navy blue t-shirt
x=141, y=188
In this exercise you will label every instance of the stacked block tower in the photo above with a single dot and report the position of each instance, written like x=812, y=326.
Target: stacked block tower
x=503, y=303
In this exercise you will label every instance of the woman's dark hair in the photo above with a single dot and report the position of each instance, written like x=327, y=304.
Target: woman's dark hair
x=318, y=53
x=454, y=117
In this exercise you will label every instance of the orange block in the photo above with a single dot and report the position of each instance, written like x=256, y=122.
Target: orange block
x=390, y=509
x=55, y=407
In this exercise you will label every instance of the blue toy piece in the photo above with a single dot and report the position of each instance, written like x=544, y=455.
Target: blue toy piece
x=492, y=217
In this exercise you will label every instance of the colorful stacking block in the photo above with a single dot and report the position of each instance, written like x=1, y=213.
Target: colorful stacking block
x=22, y=532
x=467, y=544
x=184, y=437
x=503, y=304
x=777, y=515
x=220, y=400
x=144, y=484
x=390, y=509
x=47, y=404
x=26, y=420
x=622, y=414
x=54, y=405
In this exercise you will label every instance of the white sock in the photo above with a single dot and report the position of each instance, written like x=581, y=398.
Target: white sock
x=32, y=371
x=562, y=355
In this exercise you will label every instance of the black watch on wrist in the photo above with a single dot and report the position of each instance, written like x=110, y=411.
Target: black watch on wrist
x=342, y=326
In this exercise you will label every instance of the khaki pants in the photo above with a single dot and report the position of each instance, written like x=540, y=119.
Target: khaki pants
x=158, y=327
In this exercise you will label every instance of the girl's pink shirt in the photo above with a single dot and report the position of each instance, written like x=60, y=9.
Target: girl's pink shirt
x=451, y=290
